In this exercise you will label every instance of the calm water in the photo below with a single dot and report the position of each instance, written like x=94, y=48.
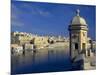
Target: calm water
x=44, y=60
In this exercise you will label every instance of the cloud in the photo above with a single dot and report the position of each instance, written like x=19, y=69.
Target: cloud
x=33, y=9
x=43, y=13
x=15, y=18
x=30, y=9
x=16, y=23
x=13, y=11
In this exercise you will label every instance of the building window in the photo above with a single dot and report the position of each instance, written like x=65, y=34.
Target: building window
x=83, y=33
x=76, y=45
x=83, y=45
x=84, y=48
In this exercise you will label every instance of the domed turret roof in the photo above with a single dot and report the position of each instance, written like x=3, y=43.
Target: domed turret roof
x=78, y=20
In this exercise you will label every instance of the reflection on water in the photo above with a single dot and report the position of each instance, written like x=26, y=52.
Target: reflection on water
x=44, y=60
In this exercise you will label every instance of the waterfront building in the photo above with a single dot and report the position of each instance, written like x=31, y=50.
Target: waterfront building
x=16, y=49
x=40, y=41
x=21, y=38
x=28, y=46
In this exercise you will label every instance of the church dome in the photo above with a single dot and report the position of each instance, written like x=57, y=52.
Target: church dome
x=78, y=20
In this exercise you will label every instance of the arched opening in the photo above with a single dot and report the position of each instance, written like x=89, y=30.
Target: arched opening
x=76, y=45
x=84, y=48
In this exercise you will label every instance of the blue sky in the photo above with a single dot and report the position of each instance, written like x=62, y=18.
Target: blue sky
x=49, y=18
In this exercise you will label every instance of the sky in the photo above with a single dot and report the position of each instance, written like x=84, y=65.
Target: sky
x=49, y=18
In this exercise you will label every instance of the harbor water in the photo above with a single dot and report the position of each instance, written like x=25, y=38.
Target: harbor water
x=41, y=60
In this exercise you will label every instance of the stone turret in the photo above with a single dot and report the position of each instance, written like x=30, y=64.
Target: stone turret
x=78, y=36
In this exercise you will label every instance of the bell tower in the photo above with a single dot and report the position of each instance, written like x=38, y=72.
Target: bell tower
x=78, y=35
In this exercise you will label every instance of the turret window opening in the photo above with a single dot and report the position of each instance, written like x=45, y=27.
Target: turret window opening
x=76, y=45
